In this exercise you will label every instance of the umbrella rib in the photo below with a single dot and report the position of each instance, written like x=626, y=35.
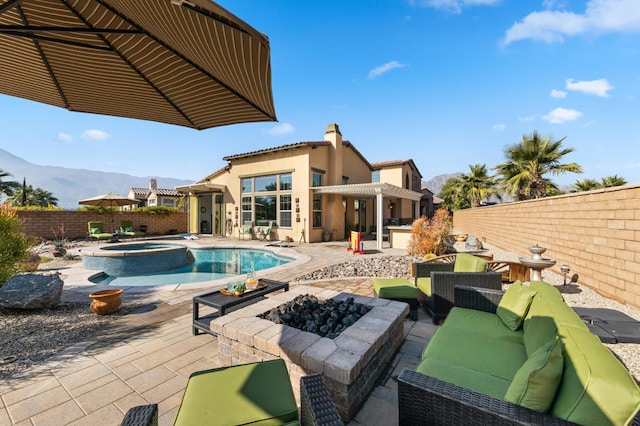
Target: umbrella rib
x=45, y=62
x=52, y=39
x=187, y=60
x=124, y=58
x=18, y=29
x=9, y=5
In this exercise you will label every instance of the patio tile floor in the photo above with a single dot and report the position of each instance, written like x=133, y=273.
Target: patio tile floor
x=147, y=357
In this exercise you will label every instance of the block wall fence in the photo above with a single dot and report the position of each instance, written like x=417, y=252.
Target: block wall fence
x=596, y=233
x=42, y=223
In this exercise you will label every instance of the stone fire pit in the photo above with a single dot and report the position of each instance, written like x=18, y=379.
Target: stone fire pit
x=350, y=364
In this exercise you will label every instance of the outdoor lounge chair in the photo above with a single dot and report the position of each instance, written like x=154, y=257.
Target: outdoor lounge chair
x=257, y=393
x=264, y=233
x=126, y=229
x=246, y=229
x=436, y=280
x=95, y=231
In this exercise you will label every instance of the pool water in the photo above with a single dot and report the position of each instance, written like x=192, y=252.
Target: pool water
x=210, y=264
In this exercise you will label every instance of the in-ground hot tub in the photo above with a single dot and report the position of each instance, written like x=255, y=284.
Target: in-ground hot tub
x=136, y=259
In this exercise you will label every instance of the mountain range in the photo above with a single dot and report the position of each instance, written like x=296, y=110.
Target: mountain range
x=71, y=185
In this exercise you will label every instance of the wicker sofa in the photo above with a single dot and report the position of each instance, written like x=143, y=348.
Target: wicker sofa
x=436, y=280
x=479, y=368
x=256, y=393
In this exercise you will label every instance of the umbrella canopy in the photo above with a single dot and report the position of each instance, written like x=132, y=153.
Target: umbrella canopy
x=109, y=200
x=190, y=63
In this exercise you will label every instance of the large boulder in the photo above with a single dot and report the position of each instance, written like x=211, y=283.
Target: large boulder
x=31, y=291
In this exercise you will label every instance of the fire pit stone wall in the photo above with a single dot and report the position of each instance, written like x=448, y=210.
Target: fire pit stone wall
x=350, y=363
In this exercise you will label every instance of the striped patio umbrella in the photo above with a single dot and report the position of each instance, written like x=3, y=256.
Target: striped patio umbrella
x=190, y=63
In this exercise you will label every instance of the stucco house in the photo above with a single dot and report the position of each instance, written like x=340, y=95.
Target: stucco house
x=154, y=196
x=311, y=191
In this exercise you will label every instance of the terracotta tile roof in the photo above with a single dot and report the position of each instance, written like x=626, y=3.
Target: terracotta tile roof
x=167, y=192
x=277, y=148
x=395, y=163
x=140, y=192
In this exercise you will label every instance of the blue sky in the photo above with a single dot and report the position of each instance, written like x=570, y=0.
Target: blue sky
x=448, y=83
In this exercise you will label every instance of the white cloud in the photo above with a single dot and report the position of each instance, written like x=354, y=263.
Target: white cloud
x=95, y=135
x=594, y=87
x=558, y=94
x=499, y=127
x=65, y=137
x=281, y=129
x=562, y=115
x=453, y=6
x=527, y=119
x=378, y=71
x=600, y=17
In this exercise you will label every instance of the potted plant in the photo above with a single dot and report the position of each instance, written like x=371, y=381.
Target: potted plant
x=59, y=249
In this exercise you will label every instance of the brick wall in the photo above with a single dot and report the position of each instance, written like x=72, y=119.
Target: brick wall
x=596, y=233
x=40, y=223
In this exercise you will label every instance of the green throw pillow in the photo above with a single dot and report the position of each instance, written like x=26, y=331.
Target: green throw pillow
x=95, y=230
x=514, y=305
x=535, y=384
x=128, y=229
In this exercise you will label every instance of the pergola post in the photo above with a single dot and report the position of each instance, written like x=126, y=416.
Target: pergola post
x=379, y=205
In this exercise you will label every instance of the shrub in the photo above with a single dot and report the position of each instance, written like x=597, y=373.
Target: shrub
x=427, y=235
x=14, y=245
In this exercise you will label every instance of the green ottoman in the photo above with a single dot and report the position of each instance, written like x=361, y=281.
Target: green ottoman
x=399, y=289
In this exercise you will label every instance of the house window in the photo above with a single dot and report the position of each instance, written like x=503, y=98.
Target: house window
x=285, y=210
x=247, y=185
x=168, y=202
x=267, y=198
x=317, y=211
x=406, y=181
x=152, y=202
x=375, y=176
x=316, y=179
x=246, y=209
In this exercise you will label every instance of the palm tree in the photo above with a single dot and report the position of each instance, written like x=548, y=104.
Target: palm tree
x=611, y=181
x=477, y=185
x=27, y=196
x=451, y=194
x=585, y=185
x=7, y=187
x=523, y=175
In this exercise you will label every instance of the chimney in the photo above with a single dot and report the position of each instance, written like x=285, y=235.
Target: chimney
x=334, y=174
x=153, y=184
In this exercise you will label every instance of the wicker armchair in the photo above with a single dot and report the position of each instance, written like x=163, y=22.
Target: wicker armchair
x=316, y=407
x=443, y=280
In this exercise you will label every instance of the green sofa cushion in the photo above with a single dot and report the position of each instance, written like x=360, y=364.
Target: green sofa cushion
x=476, y=351
x=465, y=377
x=534, y=385
x=424, y=284
x=469, y=263
x=259, y=393
x=546, y=289
x=596, y=389
x=484, y=323
x=394, y=288
x=514, y=305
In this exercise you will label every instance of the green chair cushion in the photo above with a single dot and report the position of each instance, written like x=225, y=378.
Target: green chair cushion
x=258, y=393
x=95, y=231
x=424, y=284
x=495, y=357
x=546, y=289
x=469, y=263
x=514, y=305
x=535, y=384
x=464, y=377
x=394, y=288
x=591, y=374
x=128, y=229
x=484, y=323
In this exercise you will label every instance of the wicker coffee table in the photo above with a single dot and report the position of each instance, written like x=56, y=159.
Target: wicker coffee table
x=222, y=303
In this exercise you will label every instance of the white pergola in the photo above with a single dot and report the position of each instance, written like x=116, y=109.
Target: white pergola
x=373, y=190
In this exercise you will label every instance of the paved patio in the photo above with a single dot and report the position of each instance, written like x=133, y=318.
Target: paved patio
x=148, y=355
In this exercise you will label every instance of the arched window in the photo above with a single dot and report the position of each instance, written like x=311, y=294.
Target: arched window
x=406, y=181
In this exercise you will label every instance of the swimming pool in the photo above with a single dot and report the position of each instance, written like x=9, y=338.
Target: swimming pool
x=210, y=264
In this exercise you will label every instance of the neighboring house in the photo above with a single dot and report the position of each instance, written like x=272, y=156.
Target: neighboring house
x=154, y=196
x=312, y=191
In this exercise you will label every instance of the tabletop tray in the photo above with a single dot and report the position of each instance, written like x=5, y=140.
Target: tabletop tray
x=239, y=294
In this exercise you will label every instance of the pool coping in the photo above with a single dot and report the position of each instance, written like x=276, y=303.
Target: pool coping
x=78, y=279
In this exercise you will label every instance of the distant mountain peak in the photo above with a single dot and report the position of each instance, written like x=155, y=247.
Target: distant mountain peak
x=436, y=183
